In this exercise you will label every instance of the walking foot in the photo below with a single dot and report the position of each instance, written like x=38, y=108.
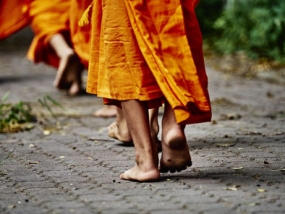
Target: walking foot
x=120, y=132
x=106, y=112
x=68, y=76
x=137, y=174
x=175, y=152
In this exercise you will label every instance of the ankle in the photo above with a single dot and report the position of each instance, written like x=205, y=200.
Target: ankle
x=147, y=159
x=66, y=52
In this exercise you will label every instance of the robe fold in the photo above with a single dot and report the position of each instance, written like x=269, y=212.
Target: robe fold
x=146, y=50
x=80, y=35
x=47, y=18
x=14, y=15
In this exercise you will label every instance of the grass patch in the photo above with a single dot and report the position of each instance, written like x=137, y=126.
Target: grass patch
x=15, y=117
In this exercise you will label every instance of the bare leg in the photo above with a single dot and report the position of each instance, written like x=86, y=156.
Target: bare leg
x=175, y=151
x=106, y=111
x=146, y=168
x=119, y=129
x=69, y=71
x=154, y=127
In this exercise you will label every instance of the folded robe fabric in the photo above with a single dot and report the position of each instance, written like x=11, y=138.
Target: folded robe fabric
x=80, y=35
x=58, y=16
x=13, y=17
x=148, y=49
x=46, y=19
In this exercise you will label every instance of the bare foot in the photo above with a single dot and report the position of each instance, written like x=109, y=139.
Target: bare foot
x=106, y=111
x=120, y=132
x=154, y=127
x=175, y=152
x=68, y=76
x=119, y=129
x=141, y=175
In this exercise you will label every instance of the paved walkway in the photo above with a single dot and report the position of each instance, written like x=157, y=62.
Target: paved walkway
x=69, y=165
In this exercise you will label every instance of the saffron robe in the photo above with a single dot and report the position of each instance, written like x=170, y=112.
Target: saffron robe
x=14, y=15
x=46, y=19
x=146, y=50
x=58, y=16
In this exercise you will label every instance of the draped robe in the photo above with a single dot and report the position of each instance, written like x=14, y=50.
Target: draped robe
x=146, y=50
x=47, y=18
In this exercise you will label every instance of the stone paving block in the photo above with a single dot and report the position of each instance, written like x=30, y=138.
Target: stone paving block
x=66, y=206
x=100, y=196
x=112, y=206
x=120, y=210
x=26, y=208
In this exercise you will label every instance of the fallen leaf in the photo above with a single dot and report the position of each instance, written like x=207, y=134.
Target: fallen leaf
x=261, y=190
x=11, y=206
x=237, y=168
x=46, y=132
x=233, y=188
x=33, y=162
x=28, y=126
x=229, y=144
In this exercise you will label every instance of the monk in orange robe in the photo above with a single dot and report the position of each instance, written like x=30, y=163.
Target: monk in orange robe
x=14, y=15
x=55, y=26
x=58, y=40
x=143, y=53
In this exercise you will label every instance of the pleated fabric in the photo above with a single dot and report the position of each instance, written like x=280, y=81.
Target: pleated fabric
x=146, y=50
x=14, y=16
x=47, y=18
x=80, y=35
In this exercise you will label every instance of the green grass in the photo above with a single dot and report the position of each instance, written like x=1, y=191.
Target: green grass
x=19, y=116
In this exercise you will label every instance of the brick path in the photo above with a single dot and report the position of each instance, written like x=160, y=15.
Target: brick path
x=69, y=165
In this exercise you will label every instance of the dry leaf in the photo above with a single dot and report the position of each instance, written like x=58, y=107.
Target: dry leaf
x=237, y=168
x=261, y=190
x=233, y=188
x=46, y=132
x=33, y=162
x=229, y=144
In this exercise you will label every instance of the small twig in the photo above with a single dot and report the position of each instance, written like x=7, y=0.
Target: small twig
x=7, y=157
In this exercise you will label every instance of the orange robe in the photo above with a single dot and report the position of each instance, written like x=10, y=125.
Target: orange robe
x=147, y=50
x=80, y=35
x=14, y=15
x=58, y=16
x=47, y=18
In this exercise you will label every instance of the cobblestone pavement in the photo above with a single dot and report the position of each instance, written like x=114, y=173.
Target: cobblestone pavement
x=69, y=165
